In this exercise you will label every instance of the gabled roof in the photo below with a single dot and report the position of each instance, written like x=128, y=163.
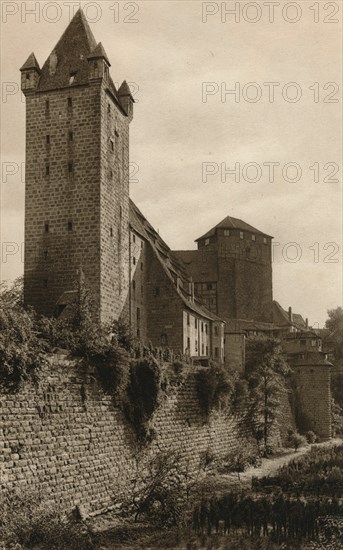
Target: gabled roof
x=280, y=317
x=31, y=63
x=171, y=265
x=232, y=223
x=309, y=358
x=71, y=51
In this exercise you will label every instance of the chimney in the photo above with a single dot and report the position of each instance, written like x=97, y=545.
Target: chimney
x=290, y=316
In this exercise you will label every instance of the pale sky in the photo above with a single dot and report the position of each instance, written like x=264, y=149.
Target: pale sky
x=170, y=52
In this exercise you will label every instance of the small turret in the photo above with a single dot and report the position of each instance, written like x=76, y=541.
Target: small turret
x=30, y=73
x=98, y=63
x=125, y=99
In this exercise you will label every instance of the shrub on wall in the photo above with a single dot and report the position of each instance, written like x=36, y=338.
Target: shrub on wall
x=21, y=351
x=142, y=395
x=214, y=385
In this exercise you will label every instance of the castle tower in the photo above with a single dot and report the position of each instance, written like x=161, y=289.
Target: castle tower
x=77, y=176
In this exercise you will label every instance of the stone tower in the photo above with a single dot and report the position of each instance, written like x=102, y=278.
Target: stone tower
x=77, y=177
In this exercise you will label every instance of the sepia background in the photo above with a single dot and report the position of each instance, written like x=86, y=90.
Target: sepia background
x=171, y=53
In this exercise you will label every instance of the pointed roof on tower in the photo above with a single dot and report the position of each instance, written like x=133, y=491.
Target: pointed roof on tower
x=124, y=90
x=31, y=63
x=99, y=52
x=69, y=57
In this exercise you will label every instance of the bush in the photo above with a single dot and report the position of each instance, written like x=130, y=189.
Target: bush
x=21, y=351
x=142, y=393
x=296, y=440
x=28, y=520
x=213, y=385
x=311, y=437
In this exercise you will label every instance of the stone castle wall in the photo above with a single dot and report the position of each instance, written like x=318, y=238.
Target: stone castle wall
x=67, y=439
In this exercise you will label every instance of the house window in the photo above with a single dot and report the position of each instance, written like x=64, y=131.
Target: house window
x=253, y=237
x=70, y=226
x=196, y=322
x=46, y=228
x=313, y=343
x=206, y=350
x=133, y=238
x=142, y=266
x=134, y=260
x=264, y=240
x=215, y=330
x=188, y=319
x=47, y=170
x=70, y=103
x=216, y=352
x=71, y=136
x=134, y=286
x=226, y=232
x=241, y=235
x=206, y=328
x=47, y=138
x=196, y=345
x=188, y=343
x=207, y=242
x=70, y=167
x=138, y=315
x=202, y=326
x=202, y=349
x=142, y=244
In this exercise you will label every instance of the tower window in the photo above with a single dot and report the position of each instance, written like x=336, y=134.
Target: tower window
x=47, y=139
x=70, y=102
x=46, y=228
x=27, y=76
x=70, y=167
x=241, y=235
x=70, y=226
x=47, y=107
x=71, y=136
x=47, y=170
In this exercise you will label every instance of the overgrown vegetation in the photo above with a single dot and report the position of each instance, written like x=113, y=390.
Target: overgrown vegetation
x=30, y=521
x=266, y=372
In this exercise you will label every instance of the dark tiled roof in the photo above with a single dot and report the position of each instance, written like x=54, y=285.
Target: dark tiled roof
x=99, y=52
x=124, y=90
x=310, y=358
x=280, y=317
x=232, y=223
x=31, y=63
x=169, y=262
x=76, y=43
x=201, y=271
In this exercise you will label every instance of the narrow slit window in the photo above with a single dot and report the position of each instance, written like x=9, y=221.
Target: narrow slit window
x=70, y=226
x=45, y=283
x=46, y=228
x=47, y=107
x=70, y=167
x=45, y=254
x=111, y=231
x=71, y=136
x=47, y=138
x=70, y=103
x=47, y=170
x=112, y=145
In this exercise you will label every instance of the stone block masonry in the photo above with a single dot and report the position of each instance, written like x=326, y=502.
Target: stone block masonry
x=67, y=439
